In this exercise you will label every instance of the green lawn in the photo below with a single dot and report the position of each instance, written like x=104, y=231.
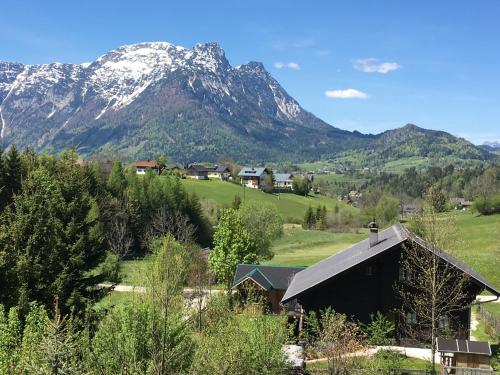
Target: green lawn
x=406, y=363
x=291, y=206
x=117, y=298
x=493, y=308
x=134, y=272
x=479, y=245
x=299, y=247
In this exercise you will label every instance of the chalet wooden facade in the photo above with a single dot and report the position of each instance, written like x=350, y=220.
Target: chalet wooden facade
x=361, y=281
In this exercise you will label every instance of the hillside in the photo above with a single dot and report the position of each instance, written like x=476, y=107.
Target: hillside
x=145, y=99
x=291, y=206
x=411, y=145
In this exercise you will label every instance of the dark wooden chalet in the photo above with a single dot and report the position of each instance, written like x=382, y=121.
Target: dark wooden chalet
x=360, y=280
x=269, y=282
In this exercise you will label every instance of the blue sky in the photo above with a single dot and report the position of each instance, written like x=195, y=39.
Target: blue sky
x=359, y=65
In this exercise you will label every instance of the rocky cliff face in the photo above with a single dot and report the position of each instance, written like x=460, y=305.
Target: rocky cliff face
x=145, y=99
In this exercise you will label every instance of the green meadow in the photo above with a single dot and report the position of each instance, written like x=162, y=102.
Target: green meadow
x=291, y=206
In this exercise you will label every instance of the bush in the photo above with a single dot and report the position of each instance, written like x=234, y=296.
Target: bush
x=241, y=345
x=386, y=359
x=110, y=268
x=380, y=331
x=487, y=205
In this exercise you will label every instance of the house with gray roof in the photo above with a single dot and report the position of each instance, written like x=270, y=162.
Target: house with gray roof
x=283, y=181
x=253, y=177
x=270, y=282
x=219, y=172
x=360, y=281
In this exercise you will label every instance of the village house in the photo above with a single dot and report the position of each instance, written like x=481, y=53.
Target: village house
x=360, y=281
x=253, y=177
x=219, y=172
x=197, y=172
x=268, y=282
x=283, y=181
x=141, y=166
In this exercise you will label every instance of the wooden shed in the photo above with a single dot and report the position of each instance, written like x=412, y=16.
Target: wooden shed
x=464, y=357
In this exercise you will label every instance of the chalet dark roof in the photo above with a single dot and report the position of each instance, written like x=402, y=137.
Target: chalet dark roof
x=268, y=277
x=221, y=169
x=361, y=252
x=199, y=168
x=463, y=346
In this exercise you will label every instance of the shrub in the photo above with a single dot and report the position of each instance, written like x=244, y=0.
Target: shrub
x=380, y=331
x=487, y=205
x=241, y=345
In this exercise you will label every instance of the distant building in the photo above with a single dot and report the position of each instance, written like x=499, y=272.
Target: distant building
x=219, y=172
x=283, y=181
x=141, y=166
x=198, y=172
x=253, y=177
x=461, y=203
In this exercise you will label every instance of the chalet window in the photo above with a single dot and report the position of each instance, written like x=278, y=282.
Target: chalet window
x=411, y=318
x=369, y=271
x=404, y=275
x=444, y=322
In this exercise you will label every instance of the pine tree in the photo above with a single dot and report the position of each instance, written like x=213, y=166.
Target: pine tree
x=50, y=237
x=117, y=183
x=3, y=190
x=309, y=219
x=13, y=173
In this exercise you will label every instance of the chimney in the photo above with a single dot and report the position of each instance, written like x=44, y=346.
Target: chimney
x=373, y=233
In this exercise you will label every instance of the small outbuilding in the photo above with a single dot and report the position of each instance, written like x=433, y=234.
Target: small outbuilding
x=464, y=356
x=267, y=283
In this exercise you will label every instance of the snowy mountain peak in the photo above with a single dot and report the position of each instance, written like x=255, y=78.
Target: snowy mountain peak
x=60, y=97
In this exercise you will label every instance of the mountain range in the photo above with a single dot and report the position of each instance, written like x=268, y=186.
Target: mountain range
x=141, y=100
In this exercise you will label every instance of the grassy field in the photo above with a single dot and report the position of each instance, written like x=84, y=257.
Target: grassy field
x=364, y=362
x=291, y=206
x=479, y=245
x=299, y=247
x=134, y=271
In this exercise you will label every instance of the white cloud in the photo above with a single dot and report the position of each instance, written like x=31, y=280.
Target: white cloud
x=372, y=65
x=346, y=94
x=290, y=65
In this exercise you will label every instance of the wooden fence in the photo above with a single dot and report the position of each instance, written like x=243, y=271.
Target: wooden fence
x=491, y=323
